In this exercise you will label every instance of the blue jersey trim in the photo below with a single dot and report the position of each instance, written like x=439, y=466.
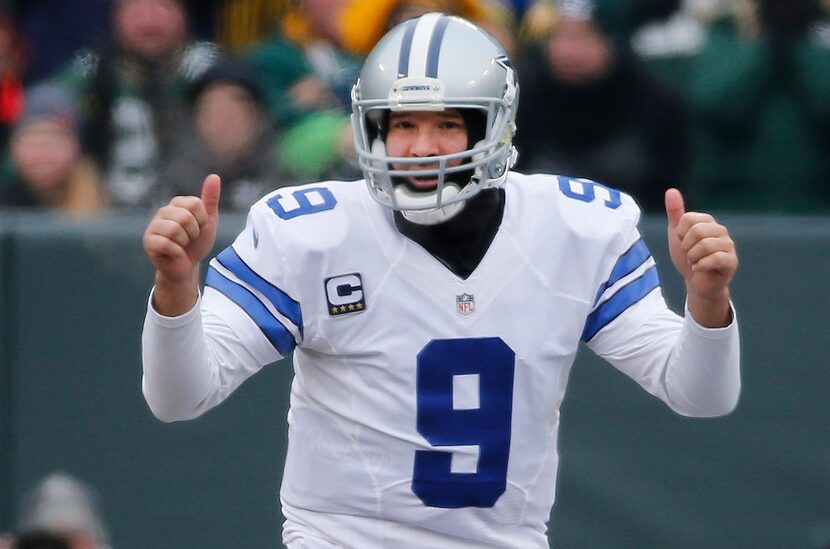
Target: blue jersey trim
x=627, y=263
x=277, y=334
x=633, y=292
x=284, y=304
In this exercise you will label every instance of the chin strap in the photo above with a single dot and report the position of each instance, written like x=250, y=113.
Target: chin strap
x=406, y=197
x=435, y=216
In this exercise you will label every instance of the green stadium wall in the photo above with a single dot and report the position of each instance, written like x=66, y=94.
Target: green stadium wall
x=633, y=473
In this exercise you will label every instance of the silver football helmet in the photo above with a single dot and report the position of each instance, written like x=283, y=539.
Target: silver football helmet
x=432, y=63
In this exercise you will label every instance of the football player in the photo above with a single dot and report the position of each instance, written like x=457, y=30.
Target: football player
x=434, y=311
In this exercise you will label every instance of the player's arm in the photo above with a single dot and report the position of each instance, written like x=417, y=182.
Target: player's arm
x=197, y=350
x=704, y=254
x=692, y=363
x=178, y=375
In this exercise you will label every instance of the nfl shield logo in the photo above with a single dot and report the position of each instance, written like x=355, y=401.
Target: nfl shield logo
x=465, y=304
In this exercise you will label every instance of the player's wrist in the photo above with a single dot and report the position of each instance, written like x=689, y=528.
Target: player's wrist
x=711, y=311
x=719, y=295
x=175, y=296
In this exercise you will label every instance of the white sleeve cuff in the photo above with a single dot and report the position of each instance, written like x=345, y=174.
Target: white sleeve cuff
x=172, y=321
x=715, y=333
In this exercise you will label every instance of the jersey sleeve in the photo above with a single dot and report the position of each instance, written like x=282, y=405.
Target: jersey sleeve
x=631, y=291
x=247, y=286
x=191, y=363
x=693, y=369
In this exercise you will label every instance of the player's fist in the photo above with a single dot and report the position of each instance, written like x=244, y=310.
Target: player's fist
x=701, y=249
x=182, y=233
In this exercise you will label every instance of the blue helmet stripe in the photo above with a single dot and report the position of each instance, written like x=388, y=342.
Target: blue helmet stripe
x=434, y=51
x=406, y=46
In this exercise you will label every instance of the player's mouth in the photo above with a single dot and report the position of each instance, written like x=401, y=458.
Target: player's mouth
x=419, y=183
x=422, y=182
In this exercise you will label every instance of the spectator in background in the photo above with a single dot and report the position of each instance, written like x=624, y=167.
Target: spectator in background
x=760, y=90
x=589, y=109
x=627, y=16
x=235, y=138
x=61, y=508
x=307, y=78
x=132, y=91
x=49, y=170
x=11, y=85
x=56, y=29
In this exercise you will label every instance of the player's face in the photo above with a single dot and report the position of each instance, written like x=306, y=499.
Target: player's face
x=424, y=134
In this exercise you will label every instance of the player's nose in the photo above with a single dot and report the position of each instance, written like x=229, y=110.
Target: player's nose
x=424, y=144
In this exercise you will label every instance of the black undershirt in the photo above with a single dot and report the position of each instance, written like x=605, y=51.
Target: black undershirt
x=461, y=242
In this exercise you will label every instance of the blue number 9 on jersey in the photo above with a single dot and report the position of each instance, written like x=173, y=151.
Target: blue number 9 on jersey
x=587, y=191
x=482, y=418
x=302, y=202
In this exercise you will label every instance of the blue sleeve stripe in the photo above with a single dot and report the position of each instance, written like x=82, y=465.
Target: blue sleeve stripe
x=630, y=260
x=277, y=334
x=279, y=299
x=627, y=263
x=633, y=292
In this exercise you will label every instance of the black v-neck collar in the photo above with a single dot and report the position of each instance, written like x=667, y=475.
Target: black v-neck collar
x=461, y=242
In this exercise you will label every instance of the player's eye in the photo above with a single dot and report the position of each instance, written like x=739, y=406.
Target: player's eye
x=402, y=124
x=452, y=125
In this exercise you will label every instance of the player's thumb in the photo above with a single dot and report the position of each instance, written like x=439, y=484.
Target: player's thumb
x=211, y=189
x=675, y=207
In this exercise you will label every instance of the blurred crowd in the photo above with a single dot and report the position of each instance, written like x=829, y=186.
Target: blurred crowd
x=124, y=103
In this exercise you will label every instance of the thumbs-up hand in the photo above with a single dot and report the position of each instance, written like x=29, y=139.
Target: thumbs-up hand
x=704, y=253
x=177, y=238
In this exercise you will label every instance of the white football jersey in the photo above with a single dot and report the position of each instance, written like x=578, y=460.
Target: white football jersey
x=425, y=407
